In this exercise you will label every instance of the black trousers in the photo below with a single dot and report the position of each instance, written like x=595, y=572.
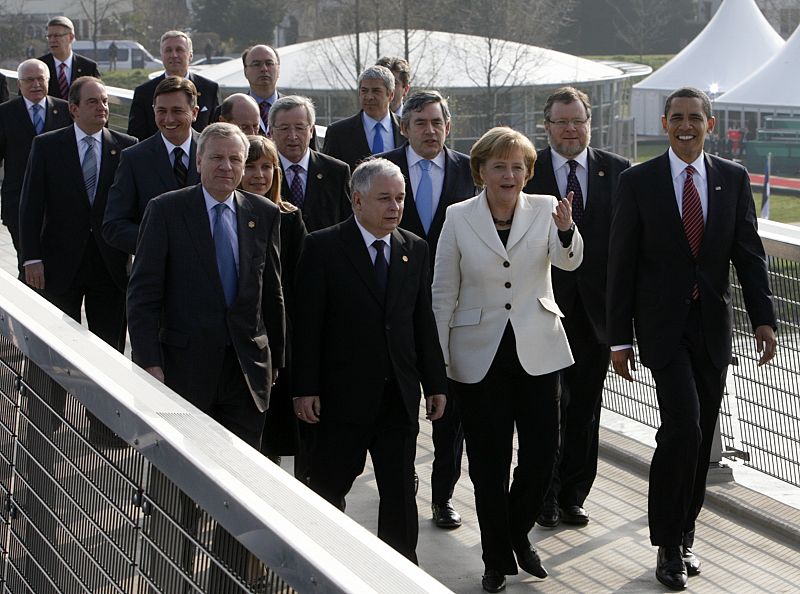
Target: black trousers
x=581, y=401
x=448, y=449
x=689, y=390
x=340, y=454
x=508, y=398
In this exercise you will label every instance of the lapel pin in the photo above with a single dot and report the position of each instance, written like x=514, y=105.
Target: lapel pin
x=251, y=224
x=113, y=151
x=405, y=258
x=55, y=111
x=319, y=176
x=718, y=188
x=601, y=173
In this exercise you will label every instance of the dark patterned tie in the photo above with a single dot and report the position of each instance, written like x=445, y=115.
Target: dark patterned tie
x=692, y=218
x=381, y=266
x=263, y=107
x=574, y=186
x=296, y=189
x=63, y=83
x=178, y=168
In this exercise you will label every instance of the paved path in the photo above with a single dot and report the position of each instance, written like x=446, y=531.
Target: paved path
x=611, y=554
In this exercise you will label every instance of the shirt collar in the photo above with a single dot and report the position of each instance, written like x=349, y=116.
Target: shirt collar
x=186, y=146
x=29, y=103
x=68, y=62
x=386, y=121
x=413, y=158
x=677, y=165
x=369, y=238
x=211, y=202
x=303, y=162
x=560, y=160
x=271, y=99
x=80, y=135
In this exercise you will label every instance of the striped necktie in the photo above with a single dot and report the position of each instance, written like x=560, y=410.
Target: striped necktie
x=63, y=83
x=692, y=218
x=38, y=120
x=89, y=168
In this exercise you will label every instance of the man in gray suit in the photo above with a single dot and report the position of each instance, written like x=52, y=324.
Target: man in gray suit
x=163, y=162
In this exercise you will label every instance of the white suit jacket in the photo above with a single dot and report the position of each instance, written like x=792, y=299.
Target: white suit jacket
x=479, y=285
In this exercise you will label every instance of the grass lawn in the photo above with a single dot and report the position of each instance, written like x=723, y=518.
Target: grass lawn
x=782, y=207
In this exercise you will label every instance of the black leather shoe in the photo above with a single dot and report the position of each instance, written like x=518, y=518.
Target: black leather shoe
x=445, y=515
x=574, y=515
x=416, y=482
x=549, y=517
x=528, y=560
x=670, y=569
x=689, y=558
x=493, y=581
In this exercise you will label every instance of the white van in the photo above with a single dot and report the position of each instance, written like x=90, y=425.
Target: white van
x=130, y=54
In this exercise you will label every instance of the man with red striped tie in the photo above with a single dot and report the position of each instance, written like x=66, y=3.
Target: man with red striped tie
x=64, y=66
x=679, y=221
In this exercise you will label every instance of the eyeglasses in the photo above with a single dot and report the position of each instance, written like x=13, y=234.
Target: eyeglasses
x=30, y=80
x=55, y=35
x=564, y=123
x=261, y=63
x=299, y=128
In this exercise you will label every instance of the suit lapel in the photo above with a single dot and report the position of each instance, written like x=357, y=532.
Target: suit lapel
x=480, y=219
x=543, y=170
x=411, y=220
x=524, y=216
x=50, y=118
x=72, y=163
x=197, y=223
x=25, y=117
x=247, y=223
x=597, y=184
x=160, y=162
x=359, y=257
x=715, y=191
x=448, y=194
x=193, y=177
x=667, y=212
x=398, y=267
x=108, y=165
x=399, y=139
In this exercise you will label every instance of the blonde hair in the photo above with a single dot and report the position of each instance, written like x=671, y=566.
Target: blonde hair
x=499, y=143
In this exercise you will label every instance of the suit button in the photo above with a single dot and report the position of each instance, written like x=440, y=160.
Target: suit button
x=508, y=285
x=506, y=264
x=388, y=327
x=508, y=306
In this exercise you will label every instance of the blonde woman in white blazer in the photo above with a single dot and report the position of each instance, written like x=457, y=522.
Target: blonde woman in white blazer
x=503, y=341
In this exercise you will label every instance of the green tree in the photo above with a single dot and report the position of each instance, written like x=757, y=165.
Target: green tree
x=242, y=22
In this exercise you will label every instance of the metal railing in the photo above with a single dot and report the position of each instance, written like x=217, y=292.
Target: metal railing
x=112, y=483
x=760, y=413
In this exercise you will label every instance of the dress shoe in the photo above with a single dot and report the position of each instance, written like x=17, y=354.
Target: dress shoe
x=493, y=581
x=690, y=560
x=549, y=517
x=445, y=515
x=528, y=560
x=416, y=483
x=670, y=569
x=574, y=515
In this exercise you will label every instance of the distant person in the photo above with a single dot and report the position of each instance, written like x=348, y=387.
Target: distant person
x=61, y=213
x=112, y=55
x=164, y=162
x=3, y=88
x=568, y=164
x=364, y=341
x=209, y=50
x=314, y=182
x=242, y=111
x=30, y=52
x=401, y=70
x=679, y=221
x=22, y=119
x=64, y=66
x=435, y=178
x=374, y=129
x=176, y=53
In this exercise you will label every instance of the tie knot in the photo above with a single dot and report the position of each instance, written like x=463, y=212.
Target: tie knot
x=378, y=244
x=178, y=152
x=573, y=165
x=296, y=169
x=220, y=208
x=426, y=164
x=36, y=108
x=690, y=170
x=63, y=65
x=378, y=127
x=89, y=141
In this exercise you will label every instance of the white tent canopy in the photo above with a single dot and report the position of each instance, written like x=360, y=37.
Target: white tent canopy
x=775, y=85
x=440, y=60
x=736, y=42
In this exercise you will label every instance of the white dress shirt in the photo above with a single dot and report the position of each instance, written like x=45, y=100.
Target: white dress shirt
x=436, y=173
x=387, y=134
x=228, y=219
x=67, y=70
x=369, y=238
x=29, y=107
x=186, y=147
x=677, y=169
x=289, y=174
x=82, y=147
x=561, y=170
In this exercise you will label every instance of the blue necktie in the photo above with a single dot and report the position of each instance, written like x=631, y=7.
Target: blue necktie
x=38, y=120
x=225, y=260
x=424, y=194
x=89, y=168
x=377, y=139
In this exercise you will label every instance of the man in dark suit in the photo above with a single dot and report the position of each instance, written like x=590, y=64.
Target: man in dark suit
x=315, y=183
x=401, y=70
x=372, y=130
x=435, y=178
x=64, y=66
x=365, y=339
x=164, y=162
x=678, y=222
x=205, y=305
x=568, y=164
x=21, y=120
x=61, y=214
x=176, y=53
x=3, y=88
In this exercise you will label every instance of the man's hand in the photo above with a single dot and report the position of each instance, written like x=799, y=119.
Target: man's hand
x=307, y=409
x=156, y=372
x=34, y=275
x=766, y=343
x=624, y=363
x=434, y=406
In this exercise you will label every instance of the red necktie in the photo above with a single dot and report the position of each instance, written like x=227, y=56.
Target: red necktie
x=692, y=218
x=63, y=85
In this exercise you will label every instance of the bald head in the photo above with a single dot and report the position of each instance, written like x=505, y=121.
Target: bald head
x=262, y=67
x=241, y=110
